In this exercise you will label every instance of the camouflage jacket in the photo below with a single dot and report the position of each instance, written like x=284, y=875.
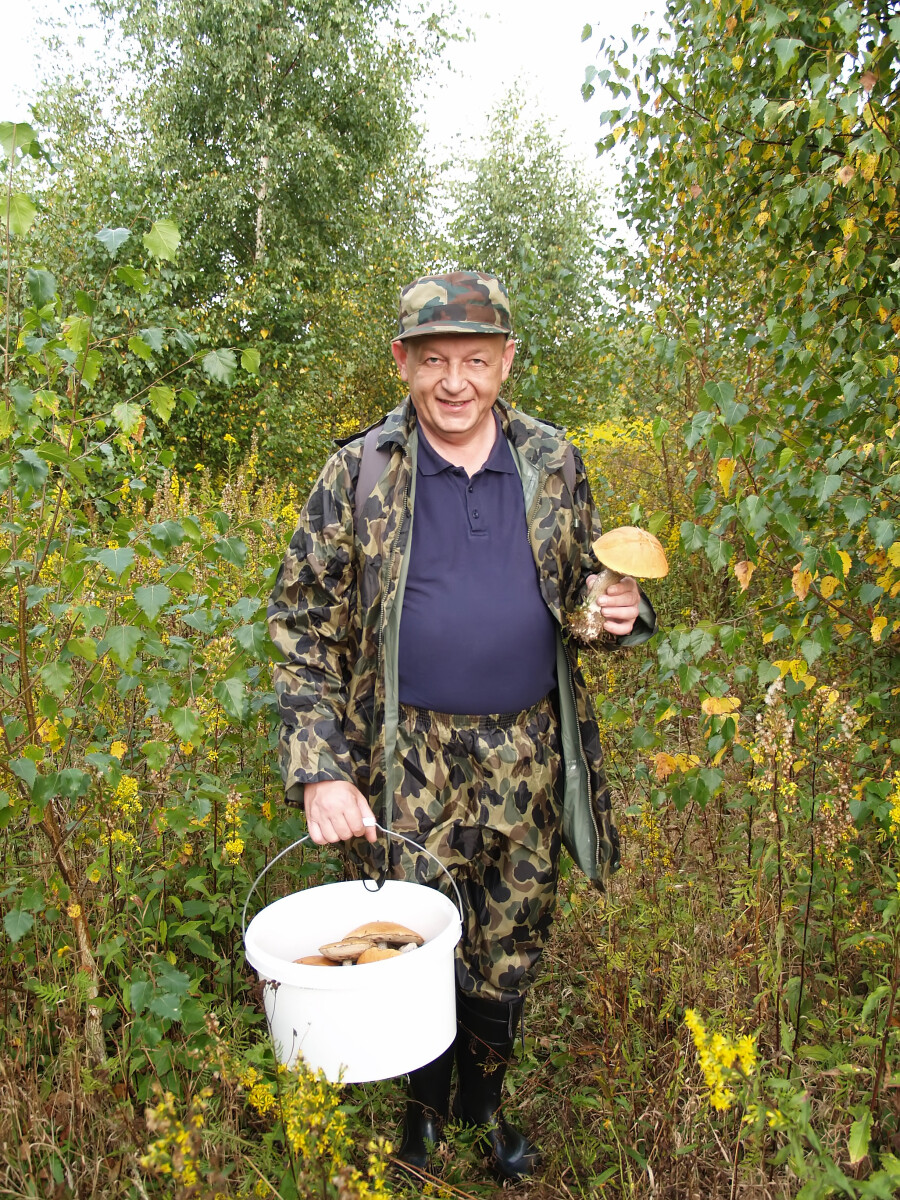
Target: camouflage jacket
x=335, y=617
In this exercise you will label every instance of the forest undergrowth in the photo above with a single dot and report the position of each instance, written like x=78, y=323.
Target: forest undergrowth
x=725, y=1022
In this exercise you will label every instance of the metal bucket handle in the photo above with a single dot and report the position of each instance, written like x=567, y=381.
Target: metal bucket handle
x=390, y=832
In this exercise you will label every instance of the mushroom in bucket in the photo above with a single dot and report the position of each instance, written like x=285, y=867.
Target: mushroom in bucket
x=623, y=551
x=372, y=942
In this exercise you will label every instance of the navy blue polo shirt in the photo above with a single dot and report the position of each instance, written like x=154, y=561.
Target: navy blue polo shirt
x=475, y=634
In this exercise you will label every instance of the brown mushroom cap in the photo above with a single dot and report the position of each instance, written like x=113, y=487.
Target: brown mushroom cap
x=373, y=954
x=632, y=551
x=387, y=931
x=349, y=948
x=316, y=960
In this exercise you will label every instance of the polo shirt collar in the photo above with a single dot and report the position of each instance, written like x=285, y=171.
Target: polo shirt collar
x=499, y=460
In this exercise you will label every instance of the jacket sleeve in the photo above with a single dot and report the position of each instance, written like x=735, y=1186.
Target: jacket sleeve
x=589, y=520
x=311, y=614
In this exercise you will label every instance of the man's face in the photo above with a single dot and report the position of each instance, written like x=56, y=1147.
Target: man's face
x=454, y=379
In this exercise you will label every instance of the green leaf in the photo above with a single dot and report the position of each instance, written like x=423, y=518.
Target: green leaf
x=847, y=17
x=117, y=560
x=162, y=401
x=20, y=213
x=230, y=694
x=133, y=277
x=824, y=486
x=232, y=549
x=767, y=672
x=128, y=416
x=152, y=599
x=719, y=393
x=718, y=552
x=76, y=332
x=24, y=769
x=855, y=509
x=17, y=135
x=163, y=239
x=138, y=346
x=122, y=642
x=253, y=638
x=159, y=694
x=141, y=992
x=32, y=470
x=89, y=367
x=882, y=531
x=41, y=285
x=85, y=648
x=860, y=1132
x=586, y=33
x=786, y=50
x=157, y=754
x=711, y=779
x=250, y=361
x=57, y=678
x=112, y=240
x=166, y=1005
x=167, y=533
x=17, y=923
x=185, y=723
x=220, y=366
x=154, y=337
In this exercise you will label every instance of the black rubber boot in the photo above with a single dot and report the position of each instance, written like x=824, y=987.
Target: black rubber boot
x=486, y=1033
x=426, y=1110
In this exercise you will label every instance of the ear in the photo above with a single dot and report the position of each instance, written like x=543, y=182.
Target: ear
x=400, y=352
x=509, y=353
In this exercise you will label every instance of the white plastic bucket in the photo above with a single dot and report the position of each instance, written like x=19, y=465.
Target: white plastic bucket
x=358, y=1023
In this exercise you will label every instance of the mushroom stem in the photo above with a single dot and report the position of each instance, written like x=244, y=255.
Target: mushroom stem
x=602, y=584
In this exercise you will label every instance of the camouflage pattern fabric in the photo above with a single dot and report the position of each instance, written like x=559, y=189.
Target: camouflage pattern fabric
x=480, y=793
x=335, y=592
x=461, y=302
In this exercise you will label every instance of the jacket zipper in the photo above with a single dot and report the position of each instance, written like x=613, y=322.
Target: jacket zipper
x=583, y=756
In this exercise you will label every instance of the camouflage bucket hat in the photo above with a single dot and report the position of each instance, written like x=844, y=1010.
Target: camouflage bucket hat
x=461, y=302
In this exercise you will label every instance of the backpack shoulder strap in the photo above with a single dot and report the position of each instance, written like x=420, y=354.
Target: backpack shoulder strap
x=371, y=467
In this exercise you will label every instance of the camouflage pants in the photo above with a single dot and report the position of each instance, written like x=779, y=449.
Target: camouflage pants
x=480, y=793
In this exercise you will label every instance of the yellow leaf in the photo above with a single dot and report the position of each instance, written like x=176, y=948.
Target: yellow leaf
x=767, y=637
x=719, y=706
x=894, y=554
x=878, y=626
x=663, y=765
x=844, y=630
x=743, y=572
x=725, y=470
x=801, y=582
x=828, y=587
x=684, y=762
x=671, y=711
x=796, y=667
x=846, y=562
x=720, y=754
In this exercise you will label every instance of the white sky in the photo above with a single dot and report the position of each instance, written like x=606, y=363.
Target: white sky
x=534, y=43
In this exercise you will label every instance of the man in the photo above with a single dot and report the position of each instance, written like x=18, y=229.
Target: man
x=426, y=681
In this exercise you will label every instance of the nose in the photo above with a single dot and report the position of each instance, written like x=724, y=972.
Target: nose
x=454, y=378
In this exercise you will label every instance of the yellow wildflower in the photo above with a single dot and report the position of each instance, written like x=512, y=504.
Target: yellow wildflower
x=720, y=1060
